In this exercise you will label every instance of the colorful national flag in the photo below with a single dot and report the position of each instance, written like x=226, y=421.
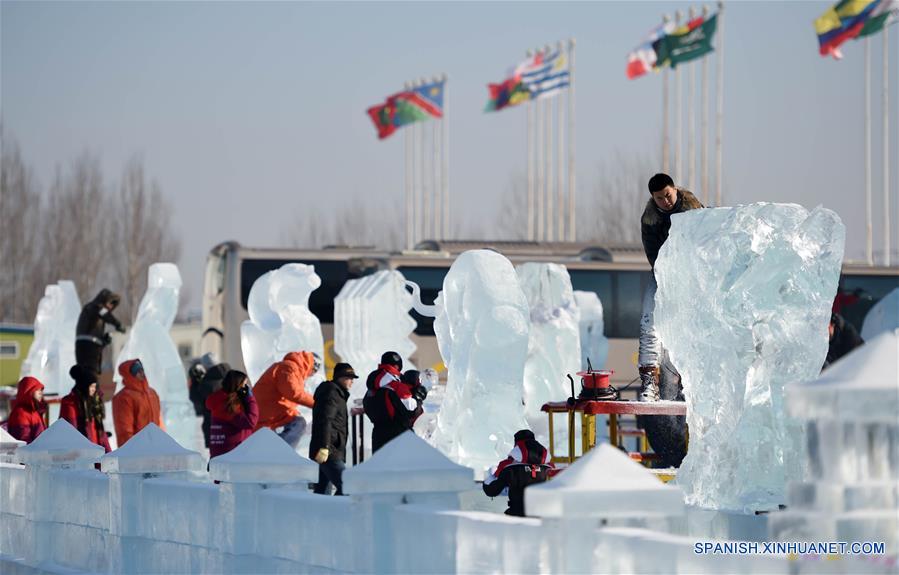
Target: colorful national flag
x=511, y=91
x=546, y=75
x=643, y=58
x=886, y=13
x=688, y=42
x=842, y=21
x=408, y=107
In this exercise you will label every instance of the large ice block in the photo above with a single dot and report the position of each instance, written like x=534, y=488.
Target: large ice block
x=52, y=352
x=554, y=341
x=482, y=330
x=883, y=317
x=151, y=450
x=59, y=444
x=594, y=344
x=371, y=316
x=743, y=306
x=150, y=341
x=280, y=320
x=263, y=458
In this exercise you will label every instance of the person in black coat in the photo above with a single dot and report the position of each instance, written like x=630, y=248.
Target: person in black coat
x=329, y=428
x=206, y=378
x=395, y=407
x=843, y=338
x=527, y=464
x=90, y=332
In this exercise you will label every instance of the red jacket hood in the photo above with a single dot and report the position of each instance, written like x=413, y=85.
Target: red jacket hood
x=128, y=380
x=27, y=386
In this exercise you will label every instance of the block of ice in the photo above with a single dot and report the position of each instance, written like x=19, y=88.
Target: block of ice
x=52, y=352
x=280, y=320
x=263, y=458
x=150, y=341
x=594, y=344
x=554, y=339
x=884, y=316
x=604, y=483
x=407, y=464
x=482, y=328
x=59, y=444
x=743, y=306
x=8, y=443
x=371, y=316
x=151, y=450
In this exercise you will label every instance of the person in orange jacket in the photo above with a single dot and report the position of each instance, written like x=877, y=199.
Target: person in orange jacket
x=136, y=405
x=281, y=390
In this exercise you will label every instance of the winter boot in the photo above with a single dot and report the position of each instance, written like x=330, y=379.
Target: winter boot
x=649, y=383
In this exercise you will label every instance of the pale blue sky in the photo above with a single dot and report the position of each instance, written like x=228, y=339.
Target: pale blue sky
x=247, y=112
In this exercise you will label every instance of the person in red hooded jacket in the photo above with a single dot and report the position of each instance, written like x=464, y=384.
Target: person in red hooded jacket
x=83, y=407
x=26, y=421
x=281, y=390
x=234, y=413
x=136, y=405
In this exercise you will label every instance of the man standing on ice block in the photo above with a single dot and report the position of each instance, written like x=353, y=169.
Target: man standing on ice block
x=281, y=390
x=90, y=332
x=654, y=225
x=329, y=428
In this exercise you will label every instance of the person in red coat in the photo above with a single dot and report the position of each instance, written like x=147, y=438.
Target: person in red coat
x=26, y=421
x=83, y=407
x=234, y=411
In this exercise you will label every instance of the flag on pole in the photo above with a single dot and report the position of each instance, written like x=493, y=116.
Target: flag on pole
x=407, y=107
x=886, y=13
x=511, y=91
x=546, y=75
x=685, y=43
x=842, y=21
x=643, y=58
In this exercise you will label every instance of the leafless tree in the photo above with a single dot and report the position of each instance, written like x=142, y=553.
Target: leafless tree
x=346, y=225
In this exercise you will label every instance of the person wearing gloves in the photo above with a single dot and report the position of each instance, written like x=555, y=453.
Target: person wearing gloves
x=83, y=406
x=527, y=464
x=281, y=390
x=395, y=407
x=90, y=332
x=235, y=413
x=26, y=421
x=329, y=428
x=136, y=405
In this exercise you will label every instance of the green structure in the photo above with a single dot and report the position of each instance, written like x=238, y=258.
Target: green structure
x=15, y=341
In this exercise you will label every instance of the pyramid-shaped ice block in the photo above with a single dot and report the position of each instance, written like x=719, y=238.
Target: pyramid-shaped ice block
x=862, y=387
x=8, y=443
x=604, y=483
x=263, y=458
x=405, y=465
x=151, y=450
x=60, y=443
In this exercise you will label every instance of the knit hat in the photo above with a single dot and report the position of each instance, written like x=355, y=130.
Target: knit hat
x=83, y=376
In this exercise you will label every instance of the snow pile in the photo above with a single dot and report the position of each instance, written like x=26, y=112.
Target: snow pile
x=151, y=450
x=52, y=352
x=150, y=341
x=482, y=330
x=883, y=317
x=594, y=344
x=59, y=444
x=743, y=306
x=280, y=320
x=263, y=458
x=371, y=316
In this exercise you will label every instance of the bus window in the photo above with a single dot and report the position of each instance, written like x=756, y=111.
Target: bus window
x=621, y=295
x=430, y=280
x=858, y=293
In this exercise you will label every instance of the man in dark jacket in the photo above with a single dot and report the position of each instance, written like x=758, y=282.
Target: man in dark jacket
x=655, y=223
x=329, y=428
x=395, y=407
x=206, y=378
x=843, y=338
x=90, y=332
x=528, y=463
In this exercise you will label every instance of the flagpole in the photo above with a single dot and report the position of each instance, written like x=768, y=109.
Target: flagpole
x=560, y=174
x=691, y=116
x=539, y=161
x=437, y=164
x=407, y=182
x=679, y=115
x=529, y=110
x=549, y=158
x=666, y=144
x=869, y=227
x=705, y=122
x=418, y=140
x=444, y=171
x=572, y=195
x=719, y=115
x=887, y=244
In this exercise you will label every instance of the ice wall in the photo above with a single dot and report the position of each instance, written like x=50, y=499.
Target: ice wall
x=280, y=320
x=371, y=316
x=594, y=344
x=149, y=340
x=883, y=317
x=743, y=306
x=52, y=352
x=482, y=330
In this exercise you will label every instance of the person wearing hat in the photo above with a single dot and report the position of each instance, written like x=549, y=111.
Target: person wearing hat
x=136, y=405
x=90, y=332
x=528, y=463
x=329, y=428
x=395, y=408
x=83, y=406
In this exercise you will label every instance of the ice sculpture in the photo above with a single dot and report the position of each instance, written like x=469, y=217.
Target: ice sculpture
x=554, y=343
x=883, y=317
x=52, y=352
x=743, y=306
x=482, y=331
x=371, y=316
x=149, y=340
x=280, y=320
x=594, y=344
